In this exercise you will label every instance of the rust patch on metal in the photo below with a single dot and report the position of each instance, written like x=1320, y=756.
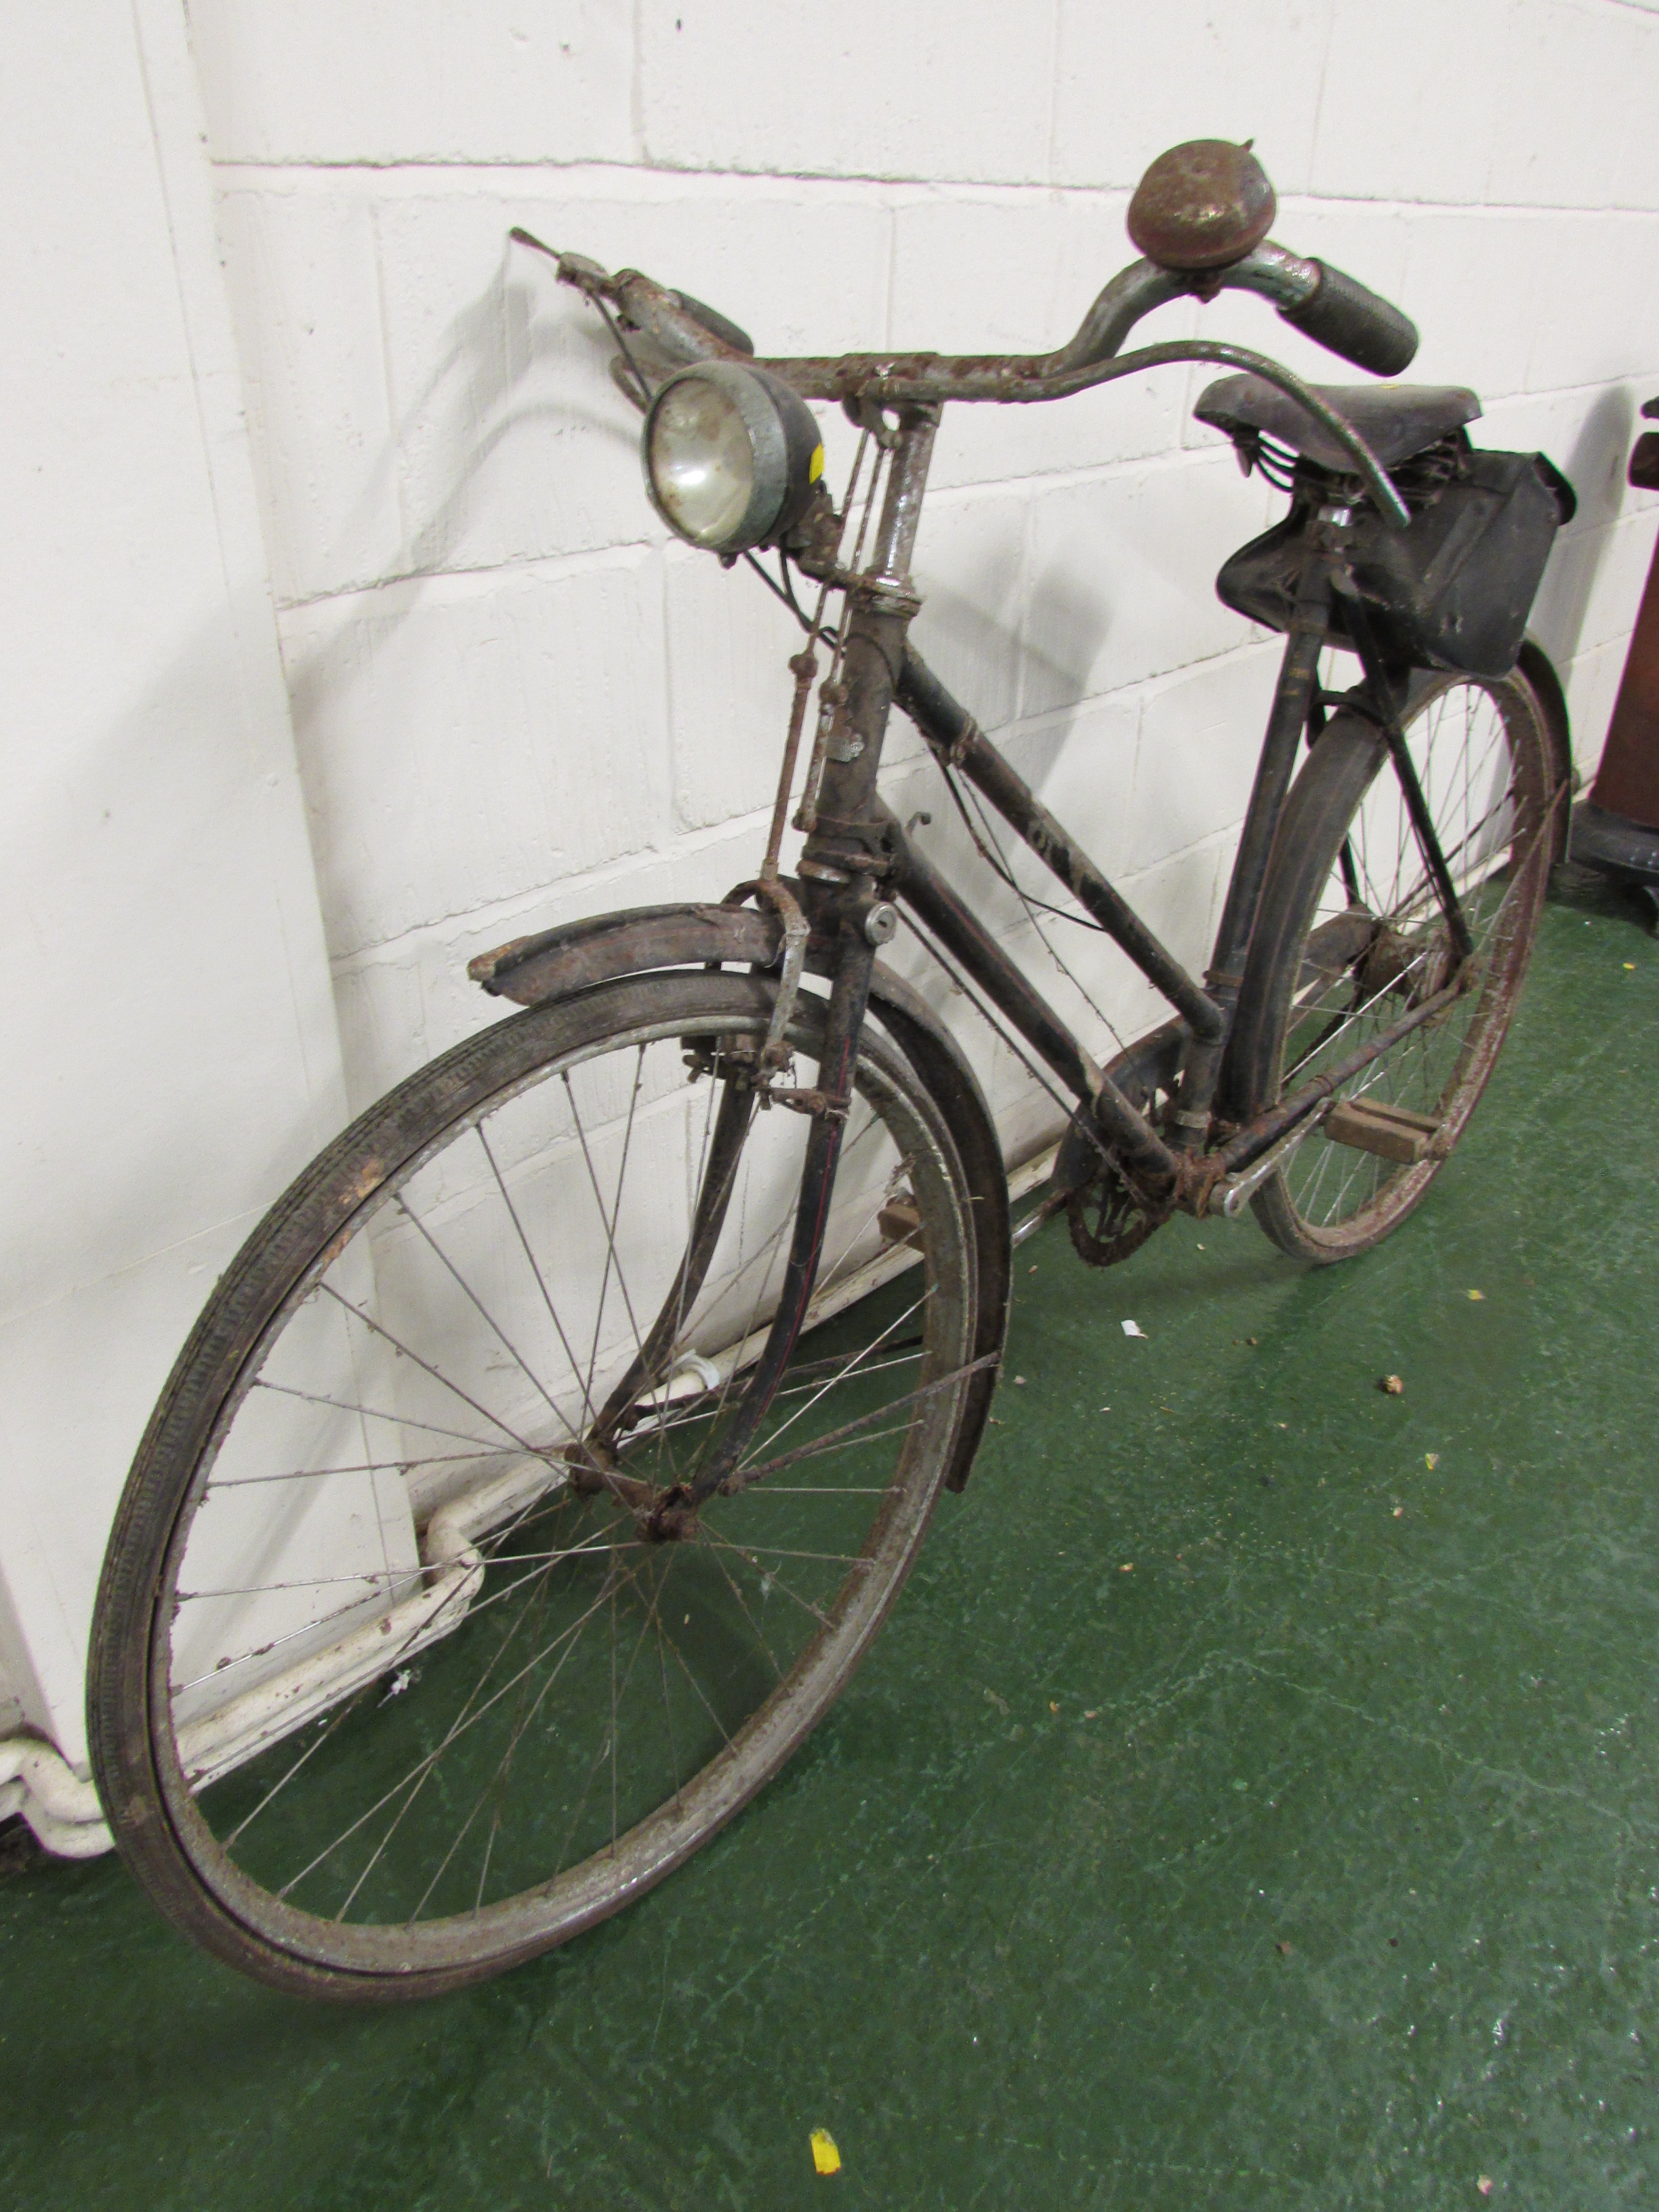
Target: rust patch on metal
x=1202, y=205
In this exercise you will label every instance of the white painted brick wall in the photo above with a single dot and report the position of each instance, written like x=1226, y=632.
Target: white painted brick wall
x=171, y=1054
x=344, y=81
x=530, y=736
x=904, y=175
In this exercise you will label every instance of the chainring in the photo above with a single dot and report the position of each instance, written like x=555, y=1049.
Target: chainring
x=1108, y=1220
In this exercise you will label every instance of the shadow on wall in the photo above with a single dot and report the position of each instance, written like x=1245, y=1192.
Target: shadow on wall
x=173, y=1064
x=189, y=1080
x=489, y=351
x=1073, y=622
x=1596, y=468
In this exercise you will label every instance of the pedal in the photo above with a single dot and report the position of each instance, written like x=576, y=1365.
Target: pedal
x=1368, y=1125
x=900, y=1221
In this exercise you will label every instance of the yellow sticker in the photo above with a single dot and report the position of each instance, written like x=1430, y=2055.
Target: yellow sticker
x=814, y=471
x=826, y=2158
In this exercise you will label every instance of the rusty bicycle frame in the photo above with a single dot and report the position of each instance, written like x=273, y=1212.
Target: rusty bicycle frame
x=858, y=864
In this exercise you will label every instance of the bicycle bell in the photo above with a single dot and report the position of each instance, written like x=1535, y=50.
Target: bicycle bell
x=1203, y=205
x=731, y=455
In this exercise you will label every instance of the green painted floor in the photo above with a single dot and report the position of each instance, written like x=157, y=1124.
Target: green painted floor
x=1254, y=1803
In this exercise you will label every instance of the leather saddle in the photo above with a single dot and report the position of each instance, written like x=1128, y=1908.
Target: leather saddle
x=1395, y=420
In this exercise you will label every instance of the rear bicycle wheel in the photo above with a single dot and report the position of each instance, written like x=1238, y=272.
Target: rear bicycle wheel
x=1352, y=935
x=389, y=1688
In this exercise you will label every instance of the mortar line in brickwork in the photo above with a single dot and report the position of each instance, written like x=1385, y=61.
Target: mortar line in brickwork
x=1024, y=583
x=636, y=81
x=1055, y=72
x=891, y=289
x=1324, y=73
x=665, y=632
x=580, y=885
x=945, y=497
x=473, y=580
x=416, y=174
x=942, y=498
x=383, y=327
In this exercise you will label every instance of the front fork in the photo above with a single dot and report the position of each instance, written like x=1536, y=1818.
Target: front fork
x=841, y=866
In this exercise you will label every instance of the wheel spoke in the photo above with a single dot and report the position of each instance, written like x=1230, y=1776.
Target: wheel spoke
x=517, y=1709
x=1478, y=754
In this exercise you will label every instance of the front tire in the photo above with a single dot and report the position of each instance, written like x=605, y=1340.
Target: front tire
x=386, y=1692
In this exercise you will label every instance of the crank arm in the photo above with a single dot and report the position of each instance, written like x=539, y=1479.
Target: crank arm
x=1237, y=1192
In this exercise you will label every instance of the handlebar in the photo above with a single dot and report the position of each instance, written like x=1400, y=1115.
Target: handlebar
x=1323, y=302
x=1348, y=318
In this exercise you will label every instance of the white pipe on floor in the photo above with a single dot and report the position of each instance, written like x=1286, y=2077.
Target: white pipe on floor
x=63, y=1811
x=61, y=1808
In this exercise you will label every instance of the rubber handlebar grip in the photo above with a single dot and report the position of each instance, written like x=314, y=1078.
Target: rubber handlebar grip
x=1348, y=320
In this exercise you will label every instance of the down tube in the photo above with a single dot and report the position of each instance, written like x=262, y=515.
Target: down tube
x=1129, y=1134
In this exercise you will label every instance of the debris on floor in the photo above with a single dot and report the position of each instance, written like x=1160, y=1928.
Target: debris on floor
x=826, y=2158
x=1393, y=1385
x=1134, y=1328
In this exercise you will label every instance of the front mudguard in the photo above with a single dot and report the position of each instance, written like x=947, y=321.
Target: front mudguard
x=559, y=962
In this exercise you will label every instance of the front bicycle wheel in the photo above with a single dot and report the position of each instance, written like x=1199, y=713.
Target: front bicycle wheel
x=1352, y=935
x=394, y=1681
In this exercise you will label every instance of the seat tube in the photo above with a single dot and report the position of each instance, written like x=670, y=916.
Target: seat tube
x=1292, y=698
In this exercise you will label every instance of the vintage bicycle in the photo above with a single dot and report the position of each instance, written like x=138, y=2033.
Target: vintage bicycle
x=549, y=1456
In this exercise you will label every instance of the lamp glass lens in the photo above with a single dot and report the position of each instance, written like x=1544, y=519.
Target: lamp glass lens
x=701, y=462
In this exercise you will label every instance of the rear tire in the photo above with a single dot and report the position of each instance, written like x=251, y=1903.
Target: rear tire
x=1351, y=933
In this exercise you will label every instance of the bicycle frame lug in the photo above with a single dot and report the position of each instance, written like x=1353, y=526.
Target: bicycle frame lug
x=890, y=595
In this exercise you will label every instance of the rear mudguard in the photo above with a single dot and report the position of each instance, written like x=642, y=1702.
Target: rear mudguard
x=1536, y=666
x=558, y=963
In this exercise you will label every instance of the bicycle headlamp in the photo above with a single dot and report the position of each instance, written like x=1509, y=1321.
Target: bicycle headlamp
x=731, y=455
